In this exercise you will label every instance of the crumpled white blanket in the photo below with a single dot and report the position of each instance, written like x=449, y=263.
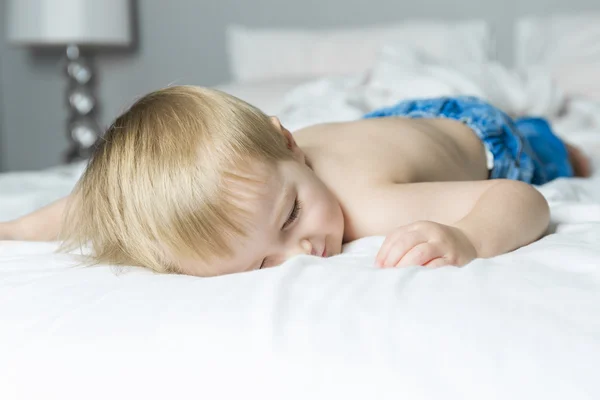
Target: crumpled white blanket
x=402, y=73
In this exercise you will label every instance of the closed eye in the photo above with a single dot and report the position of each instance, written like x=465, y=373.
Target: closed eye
x=293, y=214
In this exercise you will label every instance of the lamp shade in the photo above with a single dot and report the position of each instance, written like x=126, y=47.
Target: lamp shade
x=63, y=22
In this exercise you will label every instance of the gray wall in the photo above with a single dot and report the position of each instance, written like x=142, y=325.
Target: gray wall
x=183, y=41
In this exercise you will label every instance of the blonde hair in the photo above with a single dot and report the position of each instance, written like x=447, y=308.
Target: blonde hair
x=160, y=183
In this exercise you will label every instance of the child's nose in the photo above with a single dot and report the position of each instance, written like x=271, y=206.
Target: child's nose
x=303, y=247
x=306, y=246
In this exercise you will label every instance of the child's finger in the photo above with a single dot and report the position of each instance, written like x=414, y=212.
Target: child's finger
x=396, y=249
x=389, y=243
x=438, y=262
x=421, y=254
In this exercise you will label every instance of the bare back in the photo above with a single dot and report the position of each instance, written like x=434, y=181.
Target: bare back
x=355, y=158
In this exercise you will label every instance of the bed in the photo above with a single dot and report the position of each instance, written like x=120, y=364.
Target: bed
x=524, y=325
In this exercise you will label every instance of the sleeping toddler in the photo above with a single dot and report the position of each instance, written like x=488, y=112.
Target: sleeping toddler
x=194, y=181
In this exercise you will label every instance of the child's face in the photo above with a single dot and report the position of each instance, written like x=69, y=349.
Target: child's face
x=293, y=213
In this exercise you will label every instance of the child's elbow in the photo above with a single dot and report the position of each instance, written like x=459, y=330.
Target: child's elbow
x=537, y=198
x=533, y=201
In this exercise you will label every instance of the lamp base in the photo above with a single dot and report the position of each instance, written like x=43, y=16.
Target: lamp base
x=82, y=129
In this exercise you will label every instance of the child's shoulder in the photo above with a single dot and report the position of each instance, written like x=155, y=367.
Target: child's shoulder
x=397, y=150
x=372, y=151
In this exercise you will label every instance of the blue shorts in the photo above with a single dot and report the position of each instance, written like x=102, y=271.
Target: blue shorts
x=525, y=149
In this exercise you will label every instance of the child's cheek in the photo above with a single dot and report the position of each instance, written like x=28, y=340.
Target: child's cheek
x=321, y=214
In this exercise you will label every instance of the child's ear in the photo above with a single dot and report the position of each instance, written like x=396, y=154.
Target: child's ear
x=291, y=142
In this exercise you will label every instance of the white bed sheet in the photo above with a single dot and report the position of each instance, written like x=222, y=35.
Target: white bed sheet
x=525, y=325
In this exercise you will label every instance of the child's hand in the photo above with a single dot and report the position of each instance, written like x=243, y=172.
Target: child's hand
x=425, y=243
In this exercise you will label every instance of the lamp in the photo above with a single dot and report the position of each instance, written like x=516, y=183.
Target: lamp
x=73, y=25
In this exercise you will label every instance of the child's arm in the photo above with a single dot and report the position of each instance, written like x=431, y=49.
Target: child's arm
x=463, y=220
x=507, y=216
x=41, y=225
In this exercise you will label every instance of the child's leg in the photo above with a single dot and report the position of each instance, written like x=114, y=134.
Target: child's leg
x=580, y=162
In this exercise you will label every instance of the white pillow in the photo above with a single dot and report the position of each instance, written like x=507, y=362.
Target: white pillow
x=268, y=53
x=266, y=95
x=568, y=46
